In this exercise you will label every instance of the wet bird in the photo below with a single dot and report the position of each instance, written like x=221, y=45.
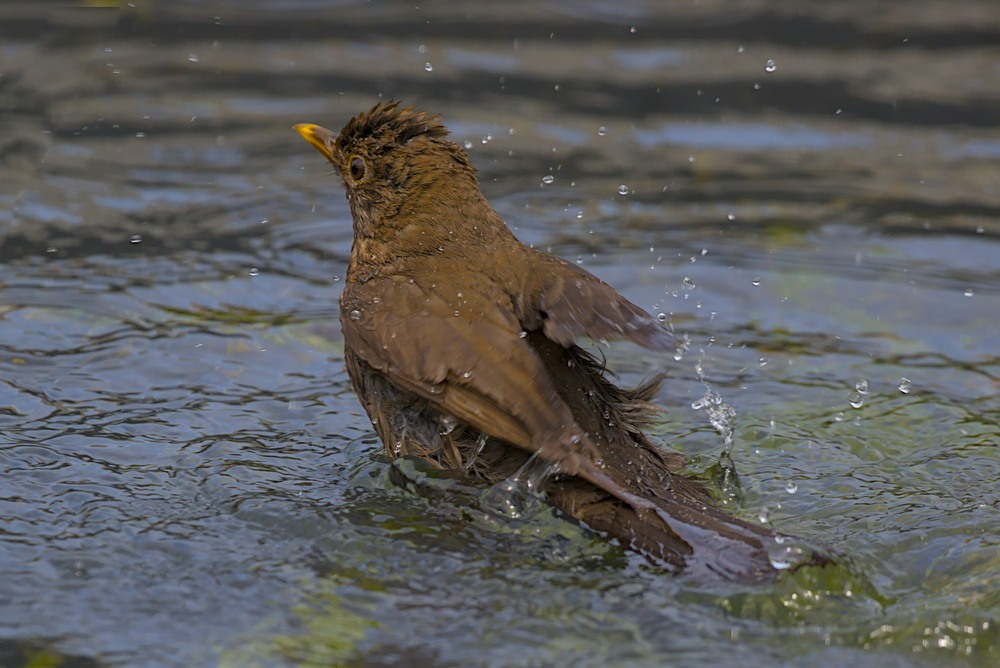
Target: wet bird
x=462, y=344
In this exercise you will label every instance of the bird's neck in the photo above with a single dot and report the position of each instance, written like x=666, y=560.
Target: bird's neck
x=461, y=227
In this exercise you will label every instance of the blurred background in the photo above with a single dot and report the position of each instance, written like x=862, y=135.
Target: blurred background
x=809, y=192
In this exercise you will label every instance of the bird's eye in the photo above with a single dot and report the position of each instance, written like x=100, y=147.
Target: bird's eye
x=357, y=168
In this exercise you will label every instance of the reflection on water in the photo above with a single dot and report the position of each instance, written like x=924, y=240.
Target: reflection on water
x=809, y=196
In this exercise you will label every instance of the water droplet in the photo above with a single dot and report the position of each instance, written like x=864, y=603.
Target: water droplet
x=140, y=135
x=602, y=131
x=467, y=144
x=557, y=88
x=861, y=386
x=623, y=189
x=192, y=58
x=688, y=283
x=968, y=292
x=756, y=281
x=487, y=139
x=355, y=315
x=762, y=362
x=632, y=30
x=721, y=415
x=784, y=555
x=730, y=216
x=428, y=67
x=763, y=515
x=522, y=334
x=838, y=417
x=467, y=375
x=662, y=317
x=254, y=271
x=904, y=385
x=769, y=66
x=856, y=400
x=791, y=487
x=135, y=239
x=548, y=179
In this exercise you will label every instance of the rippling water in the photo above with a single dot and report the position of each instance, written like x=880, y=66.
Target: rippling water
x=808, y=192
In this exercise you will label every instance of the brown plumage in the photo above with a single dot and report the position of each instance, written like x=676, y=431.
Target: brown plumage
x=461, y=343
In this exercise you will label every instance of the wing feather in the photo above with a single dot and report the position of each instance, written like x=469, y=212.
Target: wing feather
x=569, y=302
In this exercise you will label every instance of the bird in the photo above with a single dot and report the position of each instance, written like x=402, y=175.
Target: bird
x=465, y=347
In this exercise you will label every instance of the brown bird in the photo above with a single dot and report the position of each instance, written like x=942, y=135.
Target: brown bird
x=461, y=343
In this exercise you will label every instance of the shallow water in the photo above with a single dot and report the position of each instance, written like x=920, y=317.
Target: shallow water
x=189, y=480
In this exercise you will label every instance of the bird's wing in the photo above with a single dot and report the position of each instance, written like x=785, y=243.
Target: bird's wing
x=473, y=366
x=478, y=368
x=568, y=302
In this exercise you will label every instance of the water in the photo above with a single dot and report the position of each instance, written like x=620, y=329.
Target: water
x=187, y=478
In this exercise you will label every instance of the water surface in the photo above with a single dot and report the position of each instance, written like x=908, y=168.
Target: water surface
x=187, y=478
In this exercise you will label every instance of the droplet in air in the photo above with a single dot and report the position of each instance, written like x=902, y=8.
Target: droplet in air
x=662, y=317
x=467, y=144
x=428, y=67
x=769, y=66
x=861, y=386
x=602, y=131
x=254, y=271
x=135, y=239
x=623, y=189
x=904, y=385
x=192, y=58
x=856, y=400
x=756, y=281
x=688, y=283
x=969, y=292
x=784, y=556
x=791, y=487
x=548, y=179
x=763, y=515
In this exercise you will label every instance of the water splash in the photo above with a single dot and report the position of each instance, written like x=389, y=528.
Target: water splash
x=785, y=553
x=729, y=480
x=721, y=415
x=514, y=496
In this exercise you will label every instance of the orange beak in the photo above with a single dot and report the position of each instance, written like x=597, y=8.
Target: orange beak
x=319, y=137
